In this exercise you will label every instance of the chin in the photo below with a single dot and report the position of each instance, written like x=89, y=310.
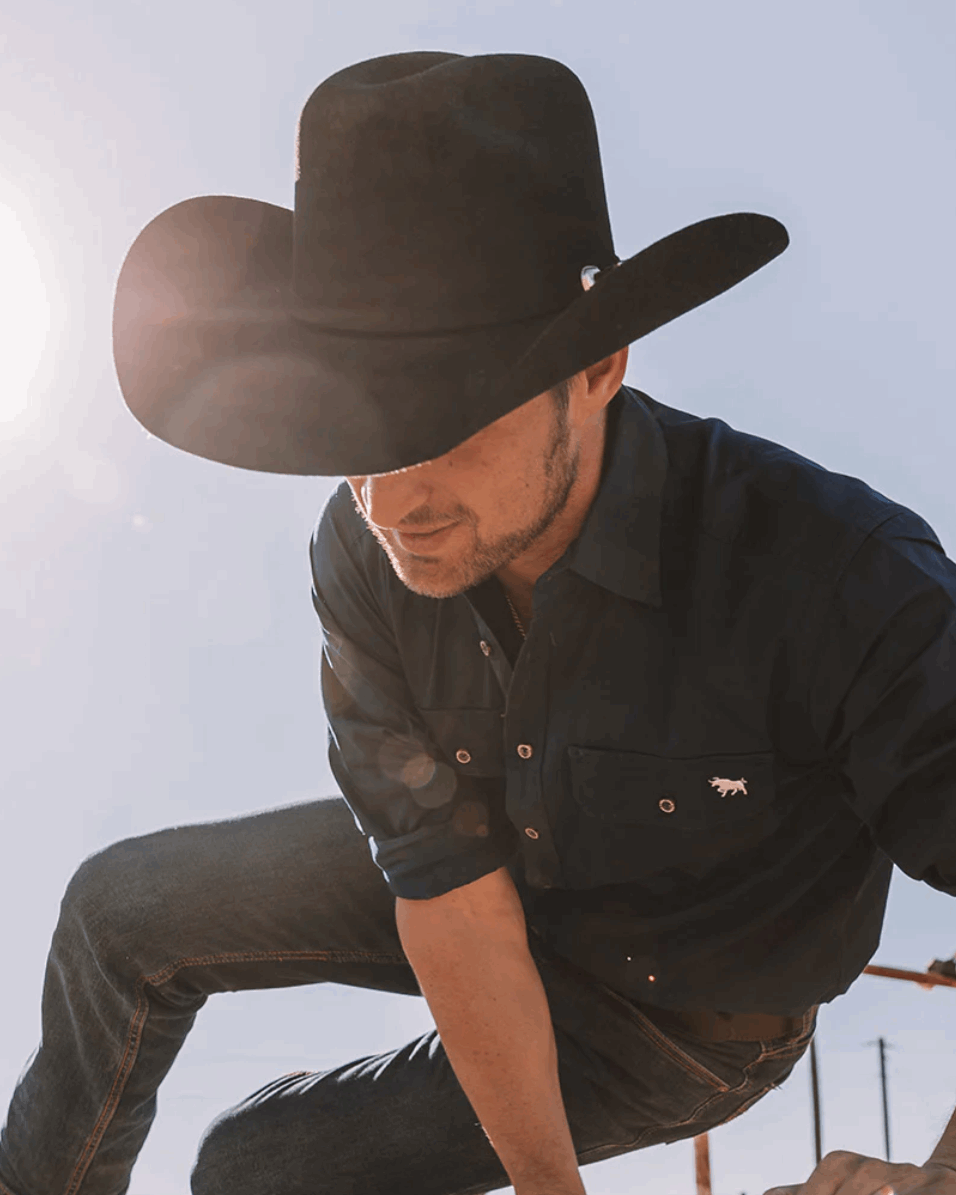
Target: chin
x=431, y=578
x=428, y=583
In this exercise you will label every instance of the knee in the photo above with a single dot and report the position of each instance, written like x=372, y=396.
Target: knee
x=109, y=899
x=228, y=1161
x=270, y=1144
x=212, y=1170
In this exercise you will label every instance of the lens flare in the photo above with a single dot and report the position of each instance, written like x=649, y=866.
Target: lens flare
x=24, y=317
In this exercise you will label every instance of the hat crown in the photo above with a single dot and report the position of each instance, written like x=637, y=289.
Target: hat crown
x=437, y=192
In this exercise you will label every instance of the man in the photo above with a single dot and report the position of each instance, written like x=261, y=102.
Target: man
x=635, y=711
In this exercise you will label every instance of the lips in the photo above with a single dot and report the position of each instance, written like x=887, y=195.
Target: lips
x=412, y=541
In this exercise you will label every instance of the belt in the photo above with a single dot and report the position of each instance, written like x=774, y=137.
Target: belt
x=727, y=1026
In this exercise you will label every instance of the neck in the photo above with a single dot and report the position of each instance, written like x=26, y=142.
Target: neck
x=518, y=577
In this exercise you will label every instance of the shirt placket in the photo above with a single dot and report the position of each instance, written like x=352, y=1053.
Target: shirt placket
x=491, y=649
x=525, y=729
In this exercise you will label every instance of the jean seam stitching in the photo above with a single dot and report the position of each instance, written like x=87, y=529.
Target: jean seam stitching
x=247, y=956
x=648, y=1027
x=683, y=1058
x=799, y=1041
x=140, y=1015
x=701, y=1109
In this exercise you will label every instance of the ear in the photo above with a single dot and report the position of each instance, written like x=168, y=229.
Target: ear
x=604, y=379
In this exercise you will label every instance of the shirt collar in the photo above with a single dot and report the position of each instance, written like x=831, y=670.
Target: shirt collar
x=618, y=546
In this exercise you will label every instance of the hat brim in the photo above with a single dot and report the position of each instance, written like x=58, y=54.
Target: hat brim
x=214, y=356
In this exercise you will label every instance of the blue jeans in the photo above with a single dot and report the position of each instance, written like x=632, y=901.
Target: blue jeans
x=152, y=926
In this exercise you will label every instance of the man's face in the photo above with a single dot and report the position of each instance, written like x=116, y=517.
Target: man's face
x=503, y=489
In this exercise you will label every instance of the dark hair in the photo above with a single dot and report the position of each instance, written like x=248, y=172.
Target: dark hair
x=561, y=394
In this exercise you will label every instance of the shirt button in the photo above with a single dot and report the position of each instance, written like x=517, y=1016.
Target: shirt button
x=485, y=648
x=462, y=755
x=667, y=805
x=525, y=751
x=531, y=832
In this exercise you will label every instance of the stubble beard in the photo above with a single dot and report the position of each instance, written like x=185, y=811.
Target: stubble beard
x=441, y=578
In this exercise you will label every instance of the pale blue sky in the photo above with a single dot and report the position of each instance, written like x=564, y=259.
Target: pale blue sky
x=158, y=643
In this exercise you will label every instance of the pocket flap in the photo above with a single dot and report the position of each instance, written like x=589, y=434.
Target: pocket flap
x=631, y=787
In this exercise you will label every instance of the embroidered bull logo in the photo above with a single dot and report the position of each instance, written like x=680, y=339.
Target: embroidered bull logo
x=728, y=786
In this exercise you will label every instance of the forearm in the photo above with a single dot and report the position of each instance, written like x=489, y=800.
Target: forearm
x=470, y=953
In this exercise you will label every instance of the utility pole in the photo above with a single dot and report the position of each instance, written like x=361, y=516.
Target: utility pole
x=882, y=1043
x=702, y=1164
x=815, y=1088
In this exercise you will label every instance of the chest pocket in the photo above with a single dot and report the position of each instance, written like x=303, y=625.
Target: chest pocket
x=471, y=739
x=636, y=815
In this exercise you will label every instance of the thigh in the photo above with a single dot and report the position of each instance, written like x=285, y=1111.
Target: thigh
x=399, y=1123
x=630, y=1083
x=282, y=897
x=396, y=1123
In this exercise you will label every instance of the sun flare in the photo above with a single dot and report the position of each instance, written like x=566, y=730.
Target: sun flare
x=24, y=317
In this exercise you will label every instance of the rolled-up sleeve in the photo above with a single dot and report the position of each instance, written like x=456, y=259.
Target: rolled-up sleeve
x=430, y=828
x=884, y=698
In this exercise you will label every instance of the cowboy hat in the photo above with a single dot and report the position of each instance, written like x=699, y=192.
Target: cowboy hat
x=449, y=257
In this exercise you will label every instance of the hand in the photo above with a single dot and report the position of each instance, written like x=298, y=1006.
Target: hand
x=845, y=1173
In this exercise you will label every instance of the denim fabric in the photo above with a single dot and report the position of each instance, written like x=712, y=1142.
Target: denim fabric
x=152, y=926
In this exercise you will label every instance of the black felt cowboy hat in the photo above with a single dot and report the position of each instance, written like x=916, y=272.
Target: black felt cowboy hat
x=449, y=216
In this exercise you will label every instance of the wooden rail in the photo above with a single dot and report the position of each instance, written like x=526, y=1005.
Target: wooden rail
x=925, y=979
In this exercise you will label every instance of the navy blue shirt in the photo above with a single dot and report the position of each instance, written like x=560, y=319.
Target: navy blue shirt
x=734, y=712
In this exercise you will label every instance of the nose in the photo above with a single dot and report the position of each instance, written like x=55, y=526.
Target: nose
x=389, y=498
